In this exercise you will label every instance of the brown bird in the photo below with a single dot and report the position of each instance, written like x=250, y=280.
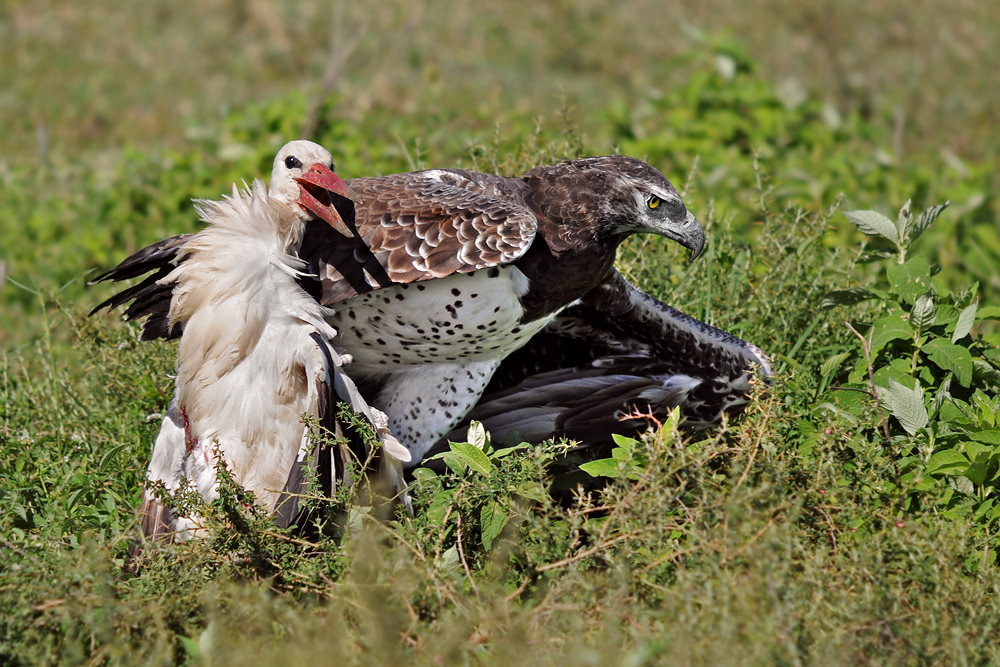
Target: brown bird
x=445, y=273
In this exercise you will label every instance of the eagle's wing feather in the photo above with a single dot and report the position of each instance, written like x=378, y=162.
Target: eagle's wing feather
x=419, y=226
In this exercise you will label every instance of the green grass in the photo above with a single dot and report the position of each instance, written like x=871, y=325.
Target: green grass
x=797, y=535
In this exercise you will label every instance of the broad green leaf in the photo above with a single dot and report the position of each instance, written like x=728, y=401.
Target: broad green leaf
x=473, y=457
x=833, y=363
x=925, y=219
x=910, y=280
x=985, y=372
x=988, y=313
x=906, y=405
x=987, y=437
x=965, y=321
x=943, y=394
x=450, y=559
x=976, y=473
x=887, y=328
x=904, y=220
x=952, y=358
x=624, y=441
x=947, y=462
x=602, y=468
x=477, y=434
x=874, y=223
x=847, y=297
x=504, y=451
x=492, y=519
x=922, y=315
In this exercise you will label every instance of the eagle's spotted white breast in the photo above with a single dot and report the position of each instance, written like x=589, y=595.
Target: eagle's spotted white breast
x=434, y=345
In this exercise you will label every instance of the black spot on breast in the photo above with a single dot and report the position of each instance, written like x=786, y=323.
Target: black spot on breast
x=399, y=297
x=455, y=291
x=421, y=287
x=493, y=272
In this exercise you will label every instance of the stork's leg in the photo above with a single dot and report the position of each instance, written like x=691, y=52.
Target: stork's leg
x=425, y=403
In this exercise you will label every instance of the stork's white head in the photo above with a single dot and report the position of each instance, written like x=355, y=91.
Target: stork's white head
x=302, y=176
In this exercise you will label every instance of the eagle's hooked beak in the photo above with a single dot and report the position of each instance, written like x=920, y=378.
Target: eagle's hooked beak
x=690, y=235
x=314, y=188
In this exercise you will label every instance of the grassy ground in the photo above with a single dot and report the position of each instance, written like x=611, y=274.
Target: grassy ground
x=813, y=531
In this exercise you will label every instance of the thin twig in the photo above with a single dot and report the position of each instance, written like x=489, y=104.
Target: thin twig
x=589, y=552
x=461, y=555
x=750, y=543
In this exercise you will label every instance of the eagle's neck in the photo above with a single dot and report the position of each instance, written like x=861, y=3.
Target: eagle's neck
x=561, y=268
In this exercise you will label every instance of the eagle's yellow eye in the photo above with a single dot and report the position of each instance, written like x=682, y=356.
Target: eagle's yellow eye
x=653, y=202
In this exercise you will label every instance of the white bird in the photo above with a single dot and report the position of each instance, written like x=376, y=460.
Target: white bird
x=255, y=354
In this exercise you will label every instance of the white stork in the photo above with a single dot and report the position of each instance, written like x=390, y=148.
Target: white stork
x=255, y=353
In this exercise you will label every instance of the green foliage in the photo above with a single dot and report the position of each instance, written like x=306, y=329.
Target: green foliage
x=922, y=364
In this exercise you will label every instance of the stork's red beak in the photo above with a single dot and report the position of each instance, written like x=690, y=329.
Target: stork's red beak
x=314, y=188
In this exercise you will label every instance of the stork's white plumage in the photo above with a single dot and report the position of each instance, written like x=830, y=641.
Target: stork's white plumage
x=254, y=356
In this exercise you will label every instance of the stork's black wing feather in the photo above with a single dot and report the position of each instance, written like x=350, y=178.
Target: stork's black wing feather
x=151, y=297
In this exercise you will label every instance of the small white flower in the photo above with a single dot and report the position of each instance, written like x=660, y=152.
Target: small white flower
x=153, y=416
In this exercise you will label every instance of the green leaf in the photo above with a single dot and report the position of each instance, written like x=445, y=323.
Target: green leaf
x=952, y=358
x=976, y=473
x=602, y=468
x=906, y=405
x=922, y=315
x=925, y=219
x=985, y=372
x=504, y=451
x=947, y=462
x=492, y=519
x=477, y=434
x=986, y=437
x=965, y=321
x=988, y=313
x=833, y=363
x=450, y=559
x=904, y=220
x=874, y=223
x=847, y=297
x=624, y=441
x=887, y=328
x=473, y=457
x=910, y=280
